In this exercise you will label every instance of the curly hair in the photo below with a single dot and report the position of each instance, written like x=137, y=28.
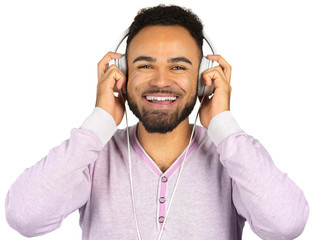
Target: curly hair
x=167, y=16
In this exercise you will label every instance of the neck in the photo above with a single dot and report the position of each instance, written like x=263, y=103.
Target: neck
x=164, y=149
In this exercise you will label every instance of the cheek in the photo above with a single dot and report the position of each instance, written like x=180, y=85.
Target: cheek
x=139, y=81
x=135, y=85
x=188, y=84
x=194, y=81
x=188, y=79
x=133, y=82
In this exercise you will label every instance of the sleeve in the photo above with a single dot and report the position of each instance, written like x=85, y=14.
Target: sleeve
x=267, y=198
x=60, y=183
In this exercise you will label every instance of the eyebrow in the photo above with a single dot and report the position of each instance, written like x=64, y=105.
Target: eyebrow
x=180, y=59
x=144, y=58
x=171, y=60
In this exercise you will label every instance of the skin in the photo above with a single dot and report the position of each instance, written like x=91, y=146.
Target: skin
x=162, y=44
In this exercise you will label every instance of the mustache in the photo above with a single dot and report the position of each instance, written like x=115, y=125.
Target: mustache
x=165, y=90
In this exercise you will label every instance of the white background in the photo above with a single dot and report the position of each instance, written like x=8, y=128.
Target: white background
x=49, y=52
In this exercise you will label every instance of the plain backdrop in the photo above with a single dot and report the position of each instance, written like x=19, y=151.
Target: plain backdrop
x=49, y=52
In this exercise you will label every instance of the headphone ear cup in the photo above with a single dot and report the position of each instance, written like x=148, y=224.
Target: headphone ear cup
x=202, y=89
x=121, y=64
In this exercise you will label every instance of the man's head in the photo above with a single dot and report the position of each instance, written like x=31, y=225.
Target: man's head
x=164, y=49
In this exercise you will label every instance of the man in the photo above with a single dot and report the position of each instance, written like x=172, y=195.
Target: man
x=228, y=177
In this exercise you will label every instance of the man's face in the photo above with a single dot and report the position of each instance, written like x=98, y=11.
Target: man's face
x=163, y=64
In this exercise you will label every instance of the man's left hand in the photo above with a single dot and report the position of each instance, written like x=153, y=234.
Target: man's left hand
x=220, y=102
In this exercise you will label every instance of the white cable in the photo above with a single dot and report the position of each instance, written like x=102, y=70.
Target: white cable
x=180, y=171
x=131, y=174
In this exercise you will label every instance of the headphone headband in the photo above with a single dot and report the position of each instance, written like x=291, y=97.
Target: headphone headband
x=121, y=39
x=212, y=47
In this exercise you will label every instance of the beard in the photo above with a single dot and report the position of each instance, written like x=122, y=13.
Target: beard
x=161, y=121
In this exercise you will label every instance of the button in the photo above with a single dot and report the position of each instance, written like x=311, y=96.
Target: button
x=164, y=179
x=162, y=199
x=161, y=219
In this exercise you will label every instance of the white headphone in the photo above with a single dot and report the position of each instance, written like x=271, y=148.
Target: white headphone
x=205, y=64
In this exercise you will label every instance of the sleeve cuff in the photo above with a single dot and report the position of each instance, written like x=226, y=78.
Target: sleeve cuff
x=100, y=123
x=222, y=126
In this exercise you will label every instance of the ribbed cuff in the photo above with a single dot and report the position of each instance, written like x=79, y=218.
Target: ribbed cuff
x=101, y=123
x=222, y=126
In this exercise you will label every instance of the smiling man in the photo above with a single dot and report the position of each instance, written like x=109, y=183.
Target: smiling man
x=228, y=177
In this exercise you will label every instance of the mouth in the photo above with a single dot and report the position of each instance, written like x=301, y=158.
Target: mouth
x=161, y=100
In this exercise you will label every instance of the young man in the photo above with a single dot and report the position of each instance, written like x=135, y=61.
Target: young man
x=228, y=177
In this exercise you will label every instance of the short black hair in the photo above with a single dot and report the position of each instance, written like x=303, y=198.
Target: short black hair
x=167, y=16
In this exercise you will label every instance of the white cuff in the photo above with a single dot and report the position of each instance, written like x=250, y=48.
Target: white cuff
x=100, y=123
x=222, y=126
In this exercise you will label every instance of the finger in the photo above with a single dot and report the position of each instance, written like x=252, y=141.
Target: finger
x=118, y=76
x=103, y=64
x=108, y=73
x=121, y=97
x=224, y=64
x=214, y=76
x=220, y=70
x=109, y=56
x=112, y=80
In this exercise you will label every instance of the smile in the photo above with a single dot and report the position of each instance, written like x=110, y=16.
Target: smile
x=161, y=101
x=157, y=98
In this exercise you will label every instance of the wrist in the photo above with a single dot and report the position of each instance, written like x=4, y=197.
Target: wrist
x=101, y=123
x=222, y=126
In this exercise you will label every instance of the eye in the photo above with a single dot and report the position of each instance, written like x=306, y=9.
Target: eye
x=178, y=68
x=145, y=67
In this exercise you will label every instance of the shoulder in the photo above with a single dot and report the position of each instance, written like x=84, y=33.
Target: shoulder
x=203, y=147
x=119, y=139
x=203, y=139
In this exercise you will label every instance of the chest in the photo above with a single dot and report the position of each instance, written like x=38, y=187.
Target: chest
x=202, y=202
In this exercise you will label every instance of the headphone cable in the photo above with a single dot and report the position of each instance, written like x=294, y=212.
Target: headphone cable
x=130, y=172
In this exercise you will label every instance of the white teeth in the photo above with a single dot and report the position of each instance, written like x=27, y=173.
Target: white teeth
x=154, y=98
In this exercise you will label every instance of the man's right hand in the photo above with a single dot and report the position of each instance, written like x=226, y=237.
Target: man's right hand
x=107, y=78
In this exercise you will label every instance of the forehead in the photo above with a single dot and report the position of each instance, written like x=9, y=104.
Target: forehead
x=163, y=41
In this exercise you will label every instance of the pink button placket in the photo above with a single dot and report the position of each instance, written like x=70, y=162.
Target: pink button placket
x=162, y=197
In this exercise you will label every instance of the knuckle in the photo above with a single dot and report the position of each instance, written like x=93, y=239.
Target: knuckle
x=113, y=67
x=115, y=73
x=219, y=68
x=109, y=55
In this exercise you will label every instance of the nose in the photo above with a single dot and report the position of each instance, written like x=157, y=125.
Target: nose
x=161, y=79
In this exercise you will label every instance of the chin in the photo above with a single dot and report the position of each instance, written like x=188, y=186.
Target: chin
x=158, y=121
